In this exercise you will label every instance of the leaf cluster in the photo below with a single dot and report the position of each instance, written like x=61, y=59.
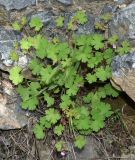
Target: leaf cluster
x=61, y=71
x=78, y=18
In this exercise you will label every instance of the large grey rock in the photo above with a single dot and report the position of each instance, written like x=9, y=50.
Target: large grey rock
x=16, y=4
x=66, y=2
x=7, y=39
x=123, y=73
x=11, y=115
x=123, y=23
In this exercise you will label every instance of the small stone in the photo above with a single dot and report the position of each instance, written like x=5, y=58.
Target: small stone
x=43, y=150
x=7, y=87
x=108, y=9
x=89, y=152
x=16, y=4
x=23, y=61
x=122, y=6
x=66, y=2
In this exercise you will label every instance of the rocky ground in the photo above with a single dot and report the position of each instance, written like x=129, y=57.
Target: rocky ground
x=117, y=140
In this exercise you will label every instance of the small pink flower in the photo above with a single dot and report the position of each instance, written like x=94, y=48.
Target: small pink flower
x=63, y=153
x=114, y=46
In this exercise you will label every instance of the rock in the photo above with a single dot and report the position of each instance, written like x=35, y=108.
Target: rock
x=87, y=28
x=89, y=152
x=16, y=4
x=45, y=16
x=11, y=115
x=49, y=30
x=123, y=73
x=108, y=9
x=43, y=150
x=66, y=2
x=123, y=23
x=7, y=38
x=23, y=61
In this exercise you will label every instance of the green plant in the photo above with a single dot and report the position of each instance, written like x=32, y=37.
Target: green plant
x=61, y=72
x=36, y=23
x=102, y=24
x=18, y=26
x=59, y=21
x=79, y=17
x=106, y=17
x=15, y=75
x=14, y=56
